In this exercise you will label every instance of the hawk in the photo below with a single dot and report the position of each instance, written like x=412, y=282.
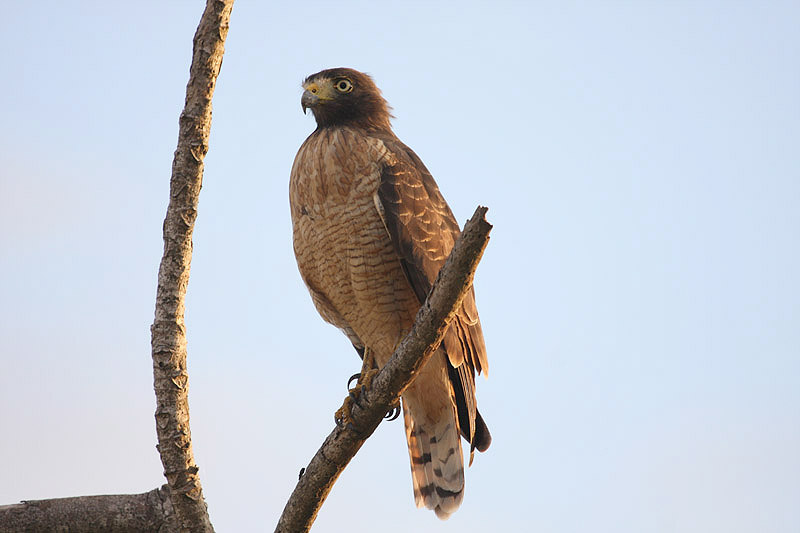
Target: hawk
x=371, y=231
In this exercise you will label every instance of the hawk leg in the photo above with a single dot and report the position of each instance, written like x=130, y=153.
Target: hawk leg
x=364, y=380
x=368, y=371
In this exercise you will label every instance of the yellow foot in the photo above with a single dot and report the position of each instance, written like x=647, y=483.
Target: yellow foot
x=342, y=416
x=365, y=380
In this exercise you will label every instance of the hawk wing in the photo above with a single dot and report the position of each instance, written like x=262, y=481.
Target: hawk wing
x=423, y=231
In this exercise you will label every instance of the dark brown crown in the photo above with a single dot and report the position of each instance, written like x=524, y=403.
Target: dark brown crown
x=363, y=106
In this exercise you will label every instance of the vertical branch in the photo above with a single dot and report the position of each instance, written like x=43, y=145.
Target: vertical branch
x=168, y=330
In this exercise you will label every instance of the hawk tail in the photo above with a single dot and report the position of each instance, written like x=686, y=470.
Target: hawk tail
x=437, y=463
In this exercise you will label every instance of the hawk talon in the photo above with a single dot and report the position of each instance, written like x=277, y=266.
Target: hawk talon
x=342, y=415
x=356, y=393
x=364, y=382
x=355, y=377
x=392, y=414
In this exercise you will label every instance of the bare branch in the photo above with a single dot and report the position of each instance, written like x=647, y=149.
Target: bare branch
x=168, y=330
x=430, y=324
x=128, y=513
x=181, y=502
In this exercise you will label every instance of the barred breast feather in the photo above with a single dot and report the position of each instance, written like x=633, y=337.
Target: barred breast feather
x=371, y=231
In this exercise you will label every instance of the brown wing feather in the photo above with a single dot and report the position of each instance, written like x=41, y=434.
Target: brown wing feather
x=423, y=230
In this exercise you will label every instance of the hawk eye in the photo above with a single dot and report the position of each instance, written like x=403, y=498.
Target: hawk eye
x=344, y=86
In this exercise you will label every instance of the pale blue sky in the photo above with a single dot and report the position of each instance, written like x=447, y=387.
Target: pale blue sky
x=640, y=295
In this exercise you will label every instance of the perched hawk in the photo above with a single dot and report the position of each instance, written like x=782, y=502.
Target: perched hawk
x=371, y=231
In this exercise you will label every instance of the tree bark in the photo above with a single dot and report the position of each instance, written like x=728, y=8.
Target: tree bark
x=168, y=330
x=122, y=513
x=178, y=506
x=430, y=324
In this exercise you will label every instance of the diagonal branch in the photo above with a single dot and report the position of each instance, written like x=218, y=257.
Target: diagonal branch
x=168, y=330
x=431, y=323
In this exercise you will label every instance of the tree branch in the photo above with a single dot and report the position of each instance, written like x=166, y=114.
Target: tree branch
x=181, y=502
x=128, y=513
x=168, y=330
x=430, y=324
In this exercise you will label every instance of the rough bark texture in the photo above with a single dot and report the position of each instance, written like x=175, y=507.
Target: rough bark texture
x=168, y=330
x=122, y=513
x=178, y=506
x=430, y=324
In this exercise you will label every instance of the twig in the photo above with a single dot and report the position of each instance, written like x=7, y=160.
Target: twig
x=168, y=330
x=430, y=324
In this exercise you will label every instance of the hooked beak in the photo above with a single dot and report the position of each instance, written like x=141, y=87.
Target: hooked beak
x=308, y=100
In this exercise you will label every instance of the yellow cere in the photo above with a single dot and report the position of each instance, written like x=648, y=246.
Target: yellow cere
x=322, y=89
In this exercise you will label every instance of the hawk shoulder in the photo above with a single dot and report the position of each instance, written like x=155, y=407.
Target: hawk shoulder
x=423, y=231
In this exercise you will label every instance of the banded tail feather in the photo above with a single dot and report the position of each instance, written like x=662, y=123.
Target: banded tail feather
x=437, y=463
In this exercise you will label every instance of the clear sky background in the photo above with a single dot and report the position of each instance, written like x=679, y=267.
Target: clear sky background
x=640, y=296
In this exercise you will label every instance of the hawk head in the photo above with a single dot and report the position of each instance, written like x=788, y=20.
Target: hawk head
x=343, y=96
